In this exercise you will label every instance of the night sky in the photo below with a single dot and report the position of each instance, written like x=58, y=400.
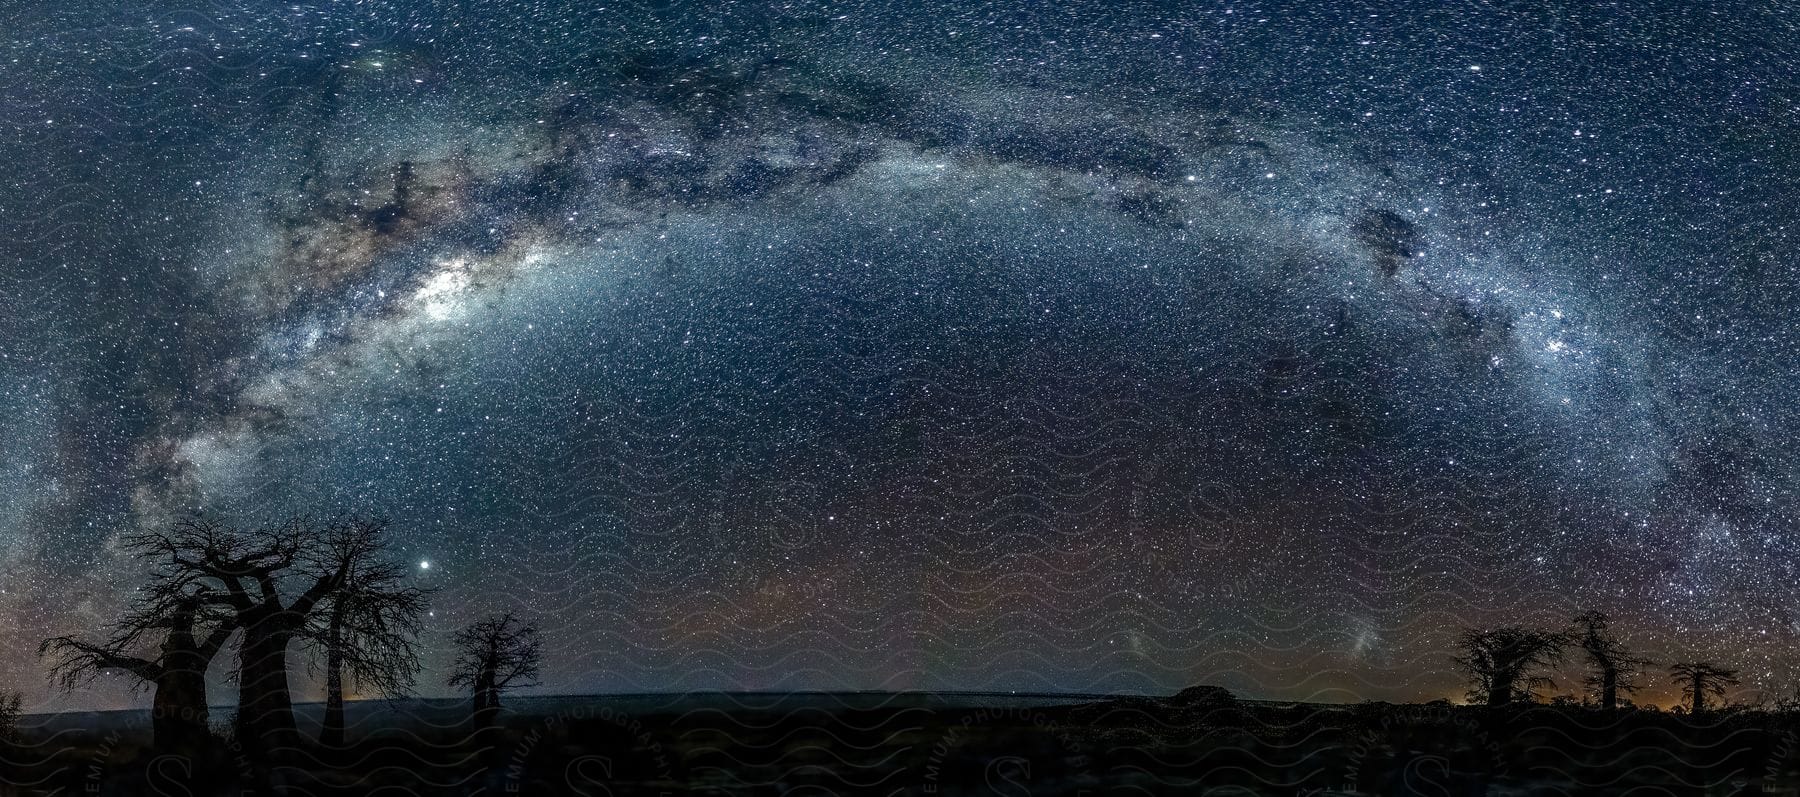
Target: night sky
x=1065, y=347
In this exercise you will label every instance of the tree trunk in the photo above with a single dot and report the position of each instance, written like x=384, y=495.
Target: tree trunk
x=265, y=709
x=331, y=728
x=178, y=715
x=487, y=699
x=1500, y=691
x=1699, y=693
x=1609, y=689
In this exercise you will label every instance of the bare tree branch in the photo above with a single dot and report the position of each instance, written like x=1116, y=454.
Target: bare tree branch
x=1504, y=664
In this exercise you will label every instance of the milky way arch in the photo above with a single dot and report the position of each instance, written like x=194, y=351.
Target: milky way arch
x=761, y=366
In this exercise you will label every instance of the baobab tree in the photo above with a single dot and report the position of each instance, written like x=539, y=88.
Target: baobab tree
x=1612, y=669
x=366, y=630
x=494, y=655
x=12, y=706
x=193, y=632
x=1503, y=664
x=249, y=573
x=1701, y=678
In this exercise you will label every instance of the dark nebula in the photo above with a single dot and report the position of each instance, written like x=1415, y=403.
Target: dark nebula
x=1391, y=240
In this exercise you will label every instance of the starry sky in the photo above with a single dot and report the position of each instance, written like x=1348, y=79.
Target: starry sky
x=1066, y=347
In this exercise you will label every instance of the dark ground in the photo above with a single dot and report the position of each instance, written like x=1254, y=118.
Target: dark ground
x=1200, y=742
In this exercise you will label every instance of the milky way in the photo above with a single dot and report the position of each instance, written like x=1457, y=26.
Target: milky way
x=1102, y=348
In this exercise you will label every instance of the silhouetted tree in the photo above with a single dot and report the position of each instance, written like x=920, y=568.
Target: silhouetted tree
x=494, y=655
x=249, y=571
x=1612, y=669
x=1701, y=678
x=367, y=629
x=1787, y=704
x=12, y=707
x=1503, y=663
x=192, y=633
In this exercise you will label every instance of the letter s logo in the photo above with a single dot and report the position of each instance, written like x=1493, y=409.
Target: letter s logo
x=1008, y=775
x=169, y=776
x=588, y=774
